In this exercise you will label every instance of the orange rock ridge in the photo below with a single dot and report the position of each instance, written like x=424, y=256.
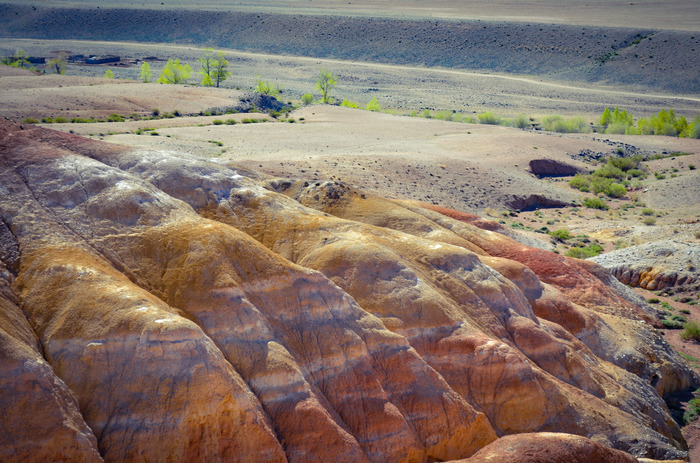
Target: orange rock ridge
x=187, y=309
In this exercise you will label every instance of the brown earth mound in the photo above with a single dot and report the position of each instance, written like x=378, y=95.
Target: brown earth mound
x=170, y=308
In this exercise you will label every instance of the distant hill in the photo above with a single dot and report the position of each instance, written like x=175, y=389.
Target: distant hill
x=644, y=59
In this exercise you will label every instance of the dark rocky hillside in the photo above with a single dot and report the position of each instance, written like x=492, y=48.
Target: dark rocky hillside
x=639, y=58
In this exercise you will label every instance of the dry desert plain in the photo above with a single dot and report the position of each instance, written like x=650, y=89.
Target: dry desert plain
x=526, y=60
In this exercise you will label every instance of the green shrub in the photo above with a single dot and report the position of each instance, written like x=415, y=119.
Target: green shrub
x=648, y=211
x=488, y=118
x=638, y=173
x=609, y=171
x=691, y=166
x=693, y=411
x=649, y=220
x=444, y=115
x=115, y=118
x=672, y=324
x=596, y=203
x=217, y=122
x=307, y=99
x=373, y=105
x=581, y=182
x=653, y=300
x=615, y=190
x=557, y=123
x=266, y=88
x=561, y=234
x=521, y=121
x=230, y=122
x=581, y=252
x=30, y=120
x=348, y=104
x=60, y=120
x=691, y=332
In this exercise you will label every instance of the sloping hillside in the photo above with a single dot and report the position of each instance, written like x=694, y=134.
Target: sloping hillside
x=164, y=307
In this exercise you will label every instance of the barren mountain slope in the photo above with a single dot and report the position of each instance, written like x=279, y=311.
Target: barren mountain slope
x=638, y=57
x=195, y=313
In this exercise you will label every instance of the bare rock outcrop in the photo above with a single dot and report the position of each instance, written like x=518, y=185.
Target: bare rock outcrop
x=655, y=266
x=185, y=312
x=549, y=447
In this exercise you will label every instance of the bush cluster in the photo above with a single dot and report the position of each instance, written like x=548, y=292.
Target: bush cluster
x=557, y=123
x=612, y=178
x=664, y=122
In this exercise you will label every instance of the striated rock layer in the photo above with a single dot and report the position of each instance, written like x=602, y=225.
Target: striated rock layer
x=656, y=266
x=157, y=307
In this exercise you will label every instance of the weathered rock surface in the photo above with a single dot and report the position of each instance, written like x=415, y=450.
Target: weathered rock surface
x=553, y=168
x=550, y=448
x=181, y=311
x=655, y=266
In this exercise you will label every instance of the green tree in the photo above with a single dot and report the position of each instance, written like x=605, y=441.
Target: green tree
x=214, y=68
x=220, y=70
x=145, y=72
x=19, y=60
x=207, y=67
x=175, y=73
x=325, y=83
x=59, y=63
x=109, y=74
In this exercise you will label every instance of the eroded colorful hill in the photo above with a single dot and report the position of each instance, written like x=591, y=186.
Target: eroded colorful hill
x=162, y=307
